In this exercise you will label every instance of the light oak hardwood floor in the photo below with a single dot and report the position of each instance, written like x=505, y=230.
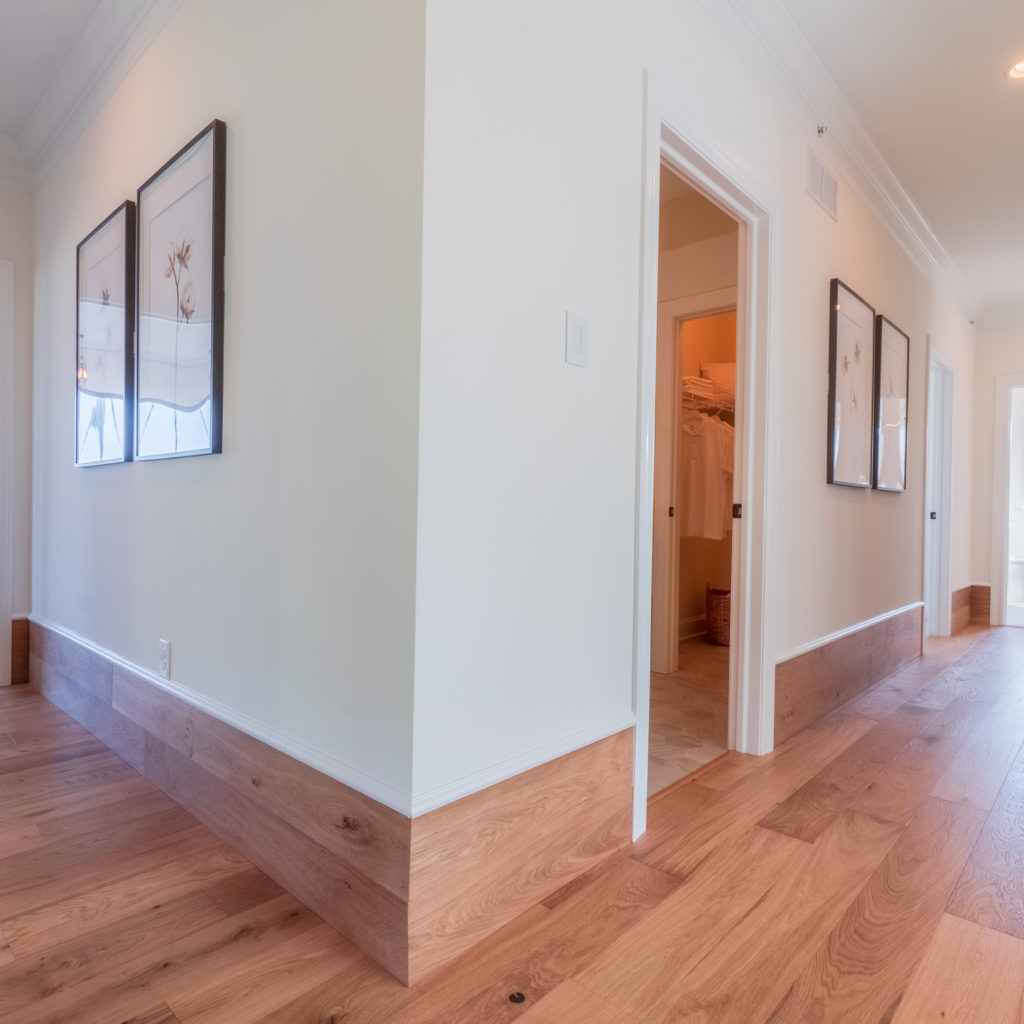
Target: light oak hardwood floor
x=870, y=870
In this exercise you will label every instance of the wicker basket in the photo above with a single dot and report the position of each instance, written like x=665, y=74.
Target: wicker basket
x=717, y=615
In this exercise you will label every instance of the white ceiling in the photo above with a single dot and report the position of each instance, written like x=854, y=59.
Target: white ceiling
x=928, y=81
x=38, y=36
x=925, y=78
x=59, y=61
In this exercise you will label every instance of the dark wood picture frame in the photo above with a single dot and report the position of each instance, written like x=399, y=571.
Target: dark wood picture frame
x=850, y=387
x=179, y=365
x=892, y=378
x=105, y=338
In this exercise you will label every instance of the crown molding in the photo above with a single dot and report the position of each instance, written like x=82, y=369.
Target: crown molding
x=801, y=81
x=14, y=168
x=115, y=37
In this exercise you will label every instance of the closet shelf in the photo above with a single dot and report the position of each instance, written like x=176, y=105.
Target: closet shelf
x=707, y=395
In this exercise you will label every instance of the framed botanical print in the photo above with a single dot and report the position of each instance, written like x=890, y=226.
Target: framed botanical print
x=892, y=362
x=851, y=375
x=105, y=322
x=180, y=357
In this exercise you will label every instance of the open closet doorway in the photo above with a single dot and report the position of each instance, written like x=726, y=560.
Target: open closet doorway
x=694, y=457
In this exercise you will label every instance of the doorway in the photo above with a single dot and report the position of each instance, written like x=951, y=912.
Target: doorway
x=694, y=453
x=1008, y=502
x=672, y=137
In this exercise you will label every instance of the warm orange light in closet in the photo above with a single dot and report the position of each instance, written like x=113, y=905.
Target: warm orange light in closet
x=1017, y=71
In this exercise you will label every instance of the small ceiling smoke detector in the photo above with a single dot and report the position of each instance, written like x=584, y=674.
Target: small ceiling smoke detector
x=1017, y=71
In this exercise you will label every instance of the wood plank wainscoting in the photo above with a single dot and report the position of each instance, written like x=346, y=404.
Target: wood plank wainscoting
x=413, y=893
x=981, y=604
x=815, y=682
x=962, y=600
x=19, y=651
x=481, y=861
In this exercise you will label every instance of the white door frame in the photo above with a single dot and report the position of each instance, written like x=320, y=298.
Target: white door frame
x=6, y=466
x=938, y=496
x=1005, y=383
x=673, y=137
x=665, y=561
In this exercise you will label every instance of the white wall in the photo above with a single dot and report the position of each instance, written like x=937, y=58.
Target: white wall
x=998, y=352
x=403, y=442
x=700, y=267
x=532, y=206
x=282, y=570
x=16, y=246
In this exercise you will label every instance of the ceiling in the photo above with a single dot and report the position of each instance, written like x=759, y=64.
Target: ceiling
x=32, y=55
x=59, y=59
x=925, y=78
x=928, y=81
x=686, y=216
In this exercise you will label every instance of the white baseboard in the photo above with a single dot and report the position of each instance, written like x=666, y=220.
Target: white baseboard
x=697, y=626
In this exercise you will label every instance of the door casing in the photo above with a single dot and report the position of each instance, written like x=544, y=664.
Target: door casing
x=673, y=136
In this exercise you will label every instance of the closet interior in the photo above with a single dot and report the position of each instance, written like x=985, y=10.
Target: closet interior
x=689, y=703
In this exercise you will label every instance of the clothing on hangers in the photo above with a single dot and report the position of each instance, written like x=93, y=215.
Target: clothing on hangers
x=704, y=476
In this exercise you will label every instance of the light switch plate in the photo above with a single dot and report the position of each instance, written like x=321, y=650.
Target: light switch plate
x=575, y=339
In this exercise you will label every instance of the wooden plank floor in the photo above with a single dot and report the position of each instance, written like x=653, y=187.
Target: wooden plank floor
x=870, y=870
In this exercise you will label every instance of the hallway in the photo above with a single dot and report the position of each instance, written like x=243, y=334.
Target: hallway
x=870, y=869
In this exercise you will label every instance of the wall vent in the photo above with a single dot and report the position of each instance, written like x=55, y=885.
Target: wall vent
x=822, y=185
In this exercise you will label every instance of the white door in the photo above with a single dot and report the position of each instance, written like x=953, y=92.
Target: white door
x=938, y=469
x=1007, y=455
x=1015, y=513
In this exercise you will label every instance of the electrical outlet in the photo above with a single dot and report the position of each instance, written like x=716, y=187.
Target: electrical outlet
x=163, y=659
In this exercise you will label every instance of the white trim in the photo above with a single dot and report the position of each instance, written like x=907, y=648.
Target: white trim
x=788, y=65
x=115, y=37
x=673, y=133
x=336, y=768
x=449, y=792
x=700, y=304
x=813, y=645
x=1005, y=383
x=643, y=544
x=6, y=466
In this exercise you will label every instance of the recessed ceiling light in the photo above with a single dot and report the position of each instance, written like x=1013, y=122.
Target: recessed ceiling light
x=1017, y=71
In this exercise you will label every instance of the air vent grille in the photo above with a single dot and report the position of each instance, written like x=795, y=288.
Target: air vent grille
x=822, y=185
